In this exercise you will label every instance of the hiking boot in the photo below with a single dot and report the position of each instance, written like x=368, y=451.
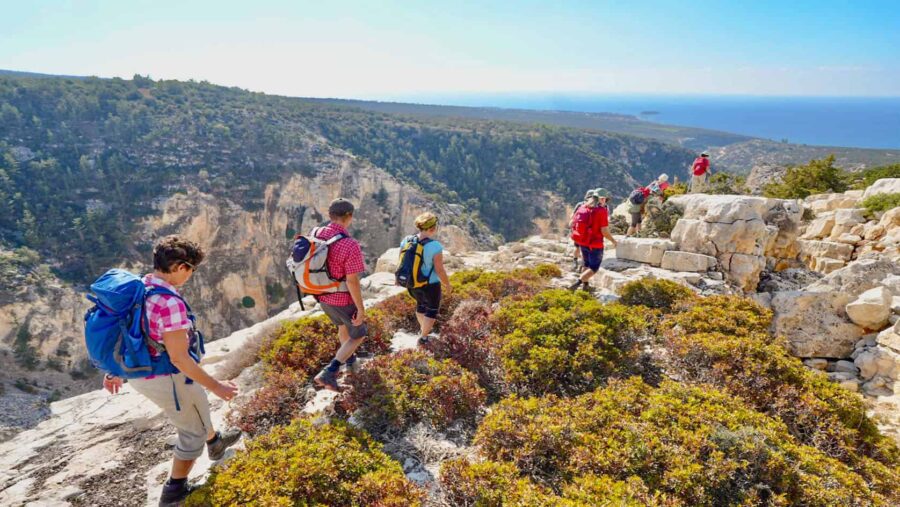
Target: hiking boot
x=575, y=285
x=587, y=287
x=423, y=340
x=216, y=448
x=328, y=380
x=174, y=494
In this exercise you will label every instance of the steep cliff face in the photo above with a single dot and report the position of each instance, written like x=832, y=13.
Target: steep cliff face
x=247, y=249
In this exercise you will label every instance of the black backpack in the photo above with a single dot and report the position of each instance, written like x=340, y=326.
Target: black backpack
x=409, y=273
x=637, y=197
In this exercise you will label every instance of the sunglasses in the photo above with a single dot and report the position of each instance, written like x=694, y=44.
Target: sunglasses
x=188, y=264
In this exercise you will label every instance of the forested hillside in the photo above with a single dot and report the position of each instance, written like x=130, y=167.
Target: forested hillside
x=84, y=159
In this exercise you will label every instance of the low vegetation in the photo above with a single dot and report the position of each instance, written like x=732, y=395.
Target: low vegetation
x=307, y=464
x=542, y=383
x=881, y=202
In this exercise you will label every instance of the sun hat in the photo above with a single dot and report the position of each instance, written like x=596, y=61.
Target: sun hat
x=663, y=177
x=601, y=192
x=704, y=153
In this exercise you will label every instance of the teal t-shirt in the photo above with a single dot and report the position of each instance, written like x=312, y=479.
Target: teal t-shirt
x=432, y=248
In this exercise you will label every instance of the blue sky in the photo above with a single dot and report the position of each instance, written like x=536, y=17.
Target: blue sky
x=395, y=49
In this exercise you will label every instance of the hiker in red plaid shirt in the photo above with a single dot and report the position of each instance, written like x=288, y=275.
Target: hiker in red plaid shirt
x=345, y=309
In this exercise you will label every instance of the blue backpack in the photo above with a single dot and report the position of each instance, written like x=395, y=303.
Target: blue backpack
x=116, y=330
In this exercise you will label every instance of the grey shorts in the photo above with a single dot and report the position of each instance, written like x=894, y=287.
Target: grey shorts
x=189, y=414
x=636, y=219
x=343, y=316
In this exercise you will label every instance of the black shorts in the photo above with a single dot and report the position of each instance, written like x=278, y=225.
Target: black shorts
x=428, y=299
x=343, y=316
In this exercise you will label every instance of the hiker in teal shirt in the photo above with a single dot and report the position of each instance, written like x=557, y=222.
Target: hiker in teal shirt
x=428, y=297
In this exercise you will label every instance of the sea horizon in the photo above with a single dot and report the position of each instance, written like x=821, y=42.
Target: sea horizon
x=844, y=121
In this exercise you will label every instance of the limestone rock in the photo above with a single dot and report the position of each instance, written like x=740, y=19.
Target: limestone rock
x=687, y=261
x=820, y=227
x=846, y=367
x=814, y=249
x=890, y=338
x=816, y=363
x=646, y=250
x=820, y=203
x=389, y=261
x=812, y=324
x=848, y=238
x=856, y=278
x=880, y=362
x=883, y=186
x=871, y=309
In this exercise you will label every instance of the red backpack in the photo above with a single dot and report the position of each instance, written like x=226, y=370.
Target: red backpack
x=581, y=225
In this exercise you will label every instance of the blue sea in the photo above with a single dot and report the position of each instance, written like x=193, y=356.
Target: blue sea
x=830, y=121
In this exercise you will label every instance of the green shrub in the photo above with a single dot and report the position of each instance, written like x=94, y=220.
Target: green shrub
x=303, y=345
x=679, y=188
x=696, y=445
x=393, y=392
x=491, y=484
x=731, y=315
x=564, y=342
x=248, y=302
x=303, y=464
x=659, y=218
x=655, y=293
x=816, y=177
x=881, y=202
x=865, y=178
x=817, y=412
x=548, y=271
x=618, y=224
x=278, y=402
x=726, y=184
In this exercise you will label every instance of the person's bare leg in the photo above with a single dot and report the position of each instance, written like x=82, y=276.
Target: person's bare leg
x=420, y=318
x=425, y=324
x=181, y=468
x=348, y=346
x=587, y=275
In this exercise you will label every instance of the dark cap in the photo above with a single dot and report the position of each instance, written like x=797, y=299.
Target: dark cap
x=340, y=207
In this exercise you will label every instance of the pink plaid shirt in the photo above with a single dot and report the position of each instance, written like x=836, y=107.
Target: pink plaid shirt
x=344, y=258
x=164, y=313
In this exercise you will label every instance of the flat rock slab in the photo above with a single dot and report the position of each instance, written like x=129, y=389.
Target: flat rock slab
x=675, y=260
x=646, y=250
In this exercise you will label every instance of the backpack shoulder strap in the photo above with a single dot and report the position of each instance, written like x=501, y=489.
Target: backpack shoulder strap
x=337, y=237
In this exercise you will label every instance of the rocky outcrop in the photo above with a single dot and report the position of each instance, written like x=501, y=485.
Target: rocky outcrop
x=883, y=186
x=744, y=234
x=686, y=261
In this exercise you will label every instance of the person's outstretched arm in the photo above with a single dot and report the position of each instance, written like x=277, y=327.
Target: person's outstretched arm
x=176, y=343
x=608, y=235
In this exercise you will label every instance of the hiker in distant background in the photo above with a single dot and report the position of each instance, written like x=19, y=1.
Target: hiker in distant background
x=590, y=225
x=699, y=173
x=576, y=258
x=659, y=185
x=177, y=382
x=422, y=272
x=345, y=306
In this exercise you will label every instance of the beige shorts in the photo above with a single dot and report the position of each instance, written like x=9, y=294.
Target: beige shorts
x=698, y=183
x=189, y=415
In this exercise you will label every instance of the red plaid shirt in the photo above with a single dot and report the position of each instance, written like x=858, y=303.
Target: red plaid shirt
x=164, y=313
x=345, y=257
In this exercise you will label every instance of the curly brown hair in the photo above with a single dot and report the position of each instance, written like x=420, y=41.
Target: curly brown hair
x=171, y=251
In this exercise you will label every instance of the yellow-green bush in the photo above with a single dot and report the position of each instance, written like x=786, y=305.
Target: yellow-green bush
x=696, y=445
x=303, y=345
x=655, y=293
x=816, y=411
x=305, y=464
x=564, y=342
x=393, y=392
x=881, y=202
x=731, y=315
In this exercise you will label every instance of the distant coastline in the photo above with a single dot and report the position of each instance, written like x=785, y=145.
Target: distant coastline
x=858, y=122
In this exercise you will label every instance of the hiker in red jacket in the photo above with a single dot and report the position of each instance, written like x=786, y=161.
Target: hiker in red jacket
x=590, y=225
x=699, y=173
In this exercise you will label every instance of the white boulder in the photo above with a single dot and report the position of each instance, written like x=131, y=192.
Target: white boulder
x=871, y=309
x=883, y=186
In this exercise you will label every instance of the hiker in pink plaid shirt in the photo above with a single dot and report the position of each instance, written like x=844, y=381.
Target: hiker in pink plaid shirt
x=345, y=309
x=181, y=395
